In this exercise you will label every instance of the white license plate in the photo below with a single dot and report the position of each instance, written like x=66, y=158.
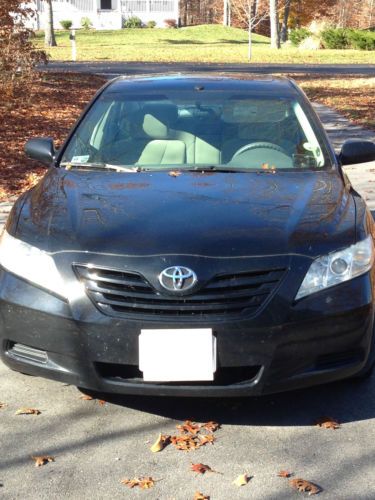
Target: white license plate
x=177, y=355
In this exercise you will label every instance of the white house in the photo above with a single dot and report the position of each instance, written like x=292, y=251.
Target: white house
x=107, y=14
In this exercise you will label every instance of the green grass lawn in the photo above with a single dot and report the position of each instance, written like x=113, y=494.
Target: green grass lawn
x=202, y=44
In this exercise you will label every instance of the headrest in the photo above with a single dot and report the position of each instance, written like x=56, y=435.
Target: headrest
x=158, y=119
x=154, y=128
x=166, y=112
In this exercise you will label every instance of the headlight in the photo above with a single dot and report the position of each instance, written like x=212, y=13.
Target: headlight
x=30, y=263
x=338, y=267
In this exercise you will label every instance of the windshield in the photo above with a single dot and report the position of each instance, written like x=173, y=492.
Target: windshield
x=201, y=129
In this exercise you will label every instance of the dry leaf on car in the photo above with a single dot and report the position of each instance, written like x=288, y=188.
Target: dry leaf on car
x=304, y=486
x=285, y=473
x=327, y=423
x=28, y=411
x=202, y=468
x=174, y=173
x=188, y=427
x=101, y=402
x=161, y=442
x=145, y=483
x=242, y=480
x=42, y=460
x=3, y=405
x=200, y=496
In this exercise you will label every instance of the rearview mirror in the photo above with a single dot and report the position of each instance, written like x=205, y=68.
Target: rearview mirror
x=357, y=151
x=40, y=149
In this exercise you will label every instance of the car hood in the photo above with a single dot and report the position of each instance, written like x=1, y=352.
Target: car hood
x=195, y=213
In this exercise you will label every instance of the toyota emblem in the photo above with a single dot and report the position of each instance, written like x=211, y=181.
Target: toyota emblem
x=177, y=278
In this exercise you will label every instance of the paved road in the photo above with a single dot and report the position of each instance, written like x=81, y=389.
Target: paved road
x=135, y=68
x=96, y=446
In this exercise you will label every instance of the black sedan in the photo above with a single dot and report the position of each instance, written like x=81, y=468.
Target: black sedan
x=195, y=235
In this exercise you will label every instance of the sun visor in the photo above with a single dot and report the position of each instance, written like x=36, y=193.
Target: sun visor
x=255, y=111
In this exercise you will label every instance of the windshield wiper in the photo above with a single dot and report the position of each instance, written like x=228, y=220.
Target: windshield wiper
x=99, y=166
x=194, y=168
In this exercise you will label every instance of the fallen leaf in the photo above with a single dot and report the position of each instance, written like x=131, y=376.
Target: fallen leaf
x=242, y=480
x=327, y=423
x=211, y=426
x=160, y=443
x=174, y=173
x=3, y=405
x=186, y=443
x=207, y=438
x=28, y=411
x=86, y=397
x=285, y=473
x=101, y=402
x=200, y=496
x=189, y=427
x=42, y=460
x=304, y=486
x=201, y=469
x=265, y=166
x=145, y=483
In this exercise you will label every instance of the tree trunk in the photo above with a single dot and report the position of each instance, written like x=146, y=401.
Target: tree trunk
x=284, y=28
x=250, y=39
x=49, y=35
x=225, y=13
x=274, y=21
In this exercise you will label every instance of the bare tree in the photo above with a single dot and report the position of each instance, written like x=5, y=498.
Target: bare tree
x=274, y=24
x=49, y=34
x=249, y=14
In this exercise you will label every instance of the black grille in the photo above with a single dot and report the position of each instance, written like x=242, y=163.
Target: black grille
x=126, y=293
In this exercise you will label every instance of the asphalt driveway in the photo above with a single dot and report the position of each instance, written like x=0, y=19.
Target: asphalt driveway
x=95, y=446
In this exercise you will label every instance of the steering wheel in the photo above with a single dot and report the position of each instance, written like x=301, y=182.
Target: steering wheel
x=259, y=145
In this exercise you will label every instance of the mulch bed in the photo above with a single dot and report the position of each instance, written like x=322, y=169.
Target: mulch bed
x=49, y=108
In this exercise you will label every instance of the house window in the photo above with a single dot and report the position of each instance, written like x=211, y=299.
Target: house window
x=106, y=4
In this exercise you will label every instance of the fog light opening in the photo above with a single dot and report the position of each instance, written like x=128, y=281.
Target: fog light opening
x=25, y=352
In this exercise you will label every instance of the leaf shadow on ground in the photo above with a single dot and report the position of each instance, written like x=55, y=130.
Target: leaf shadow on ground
x=346, y=401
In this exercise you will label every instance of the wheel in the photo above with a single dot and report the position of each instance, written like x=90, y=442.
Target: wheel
x=259, y=145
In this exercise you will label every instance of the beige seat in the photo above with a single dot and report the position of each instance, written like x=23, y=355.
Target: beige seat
x=170, y=146
x=163, y=149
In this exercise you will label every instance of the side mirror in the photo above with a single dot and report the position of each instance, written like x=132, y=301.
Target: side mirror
x=357, y=151
x=40, y=149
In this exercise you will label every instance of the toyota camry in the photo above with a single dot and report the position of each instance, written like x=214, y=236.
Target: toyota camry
x=194, y=235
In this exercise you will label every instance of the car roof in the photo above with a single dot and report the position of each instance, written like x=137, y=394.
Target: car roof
x=281, y=86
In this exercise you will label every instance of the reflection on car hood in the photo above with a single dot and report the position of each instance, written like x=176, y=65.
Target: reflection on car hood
x=210, y=214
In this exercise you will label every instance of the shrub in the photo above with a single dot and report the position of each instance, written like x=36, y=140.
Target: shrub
x=298, y=35
x=151, y=24
x=86, y=23
x=362, y=40
x=66, y=24
x=335, y=38
x=18, y=56
x=170, y=23
x=133, y=22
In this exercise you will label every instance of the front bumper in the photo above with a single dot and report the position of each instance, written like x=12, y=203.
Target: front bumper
x=322, y=338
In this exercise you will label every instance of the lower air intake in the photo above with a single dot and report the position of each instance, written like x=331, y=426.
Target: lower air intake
x=25, y=352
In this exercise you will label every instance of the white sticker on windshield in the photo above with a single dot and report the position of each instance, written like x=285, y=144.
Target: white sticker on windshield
x=80, y=159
